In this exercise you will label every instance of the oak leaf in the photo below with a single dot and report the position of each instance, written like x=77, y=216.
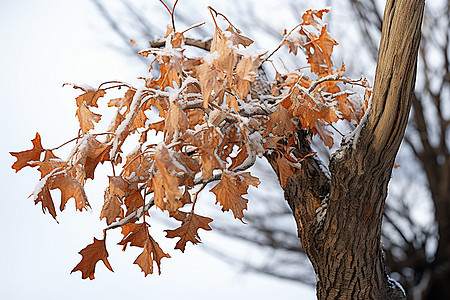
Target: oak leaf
x=167, y=77
x=152, y=252
x=188, y=231
x=230, y=189
x=206, y=141
x=135, y=234
x=227, y=58
x=91, y=255
x=176, y=122
x=308, y=17
x=137, y=167
x=210, y=83
x=54, y=175
x=27, y=156
x=195, y=117
x=89, y=154
x=112, y=208
x=167, y=194
x=87, y=118
x=237, y=38
x=325, y=135
x=279, y=123
x=90, y=97
x=232, y=102
x=285, y=170
x=133, y=200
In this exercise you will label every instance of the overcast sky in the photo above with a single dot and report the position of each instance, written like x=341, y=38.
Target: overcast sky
x=45, y=44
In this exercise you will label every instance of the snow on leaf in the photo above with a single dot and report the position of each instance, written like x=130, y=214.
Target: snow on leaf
x=90, y=256
x=55, y=175
x=89, y=155
x=226, y=59
x=90, y=98
x=324, y=134
x=237, y=38
x=308, y=17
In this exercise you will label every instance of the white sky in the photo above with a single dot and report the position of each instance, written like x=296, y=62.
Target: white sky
x=44, y=44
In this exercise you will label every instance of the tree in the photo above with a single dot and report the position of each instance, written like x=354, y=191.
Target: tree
x=427, y=139
x=338, y=214
x=412, y=256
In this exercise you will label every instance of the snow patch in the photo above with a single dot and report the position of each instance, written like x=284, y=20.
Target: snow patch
x=397, y=285
x=321, y=211
x=134, y=106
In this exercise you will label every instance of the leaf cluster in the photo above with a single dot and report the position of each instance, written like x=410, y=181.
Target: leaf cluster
x=212, y=121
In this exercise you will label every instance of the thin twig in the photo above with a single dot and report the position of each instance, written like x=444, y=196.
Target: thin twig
x=281, y=43
x=225, y=18
x=196, y=196
x=193, y=26
x=336, y=129
x=168, y=9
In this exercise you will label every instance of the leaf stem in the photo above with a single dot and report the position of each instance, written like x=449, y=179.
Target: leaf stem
x=281, y=43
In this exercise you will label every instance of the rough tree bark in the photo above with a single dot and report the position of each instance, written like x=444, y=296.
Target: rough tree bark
x=339, y=212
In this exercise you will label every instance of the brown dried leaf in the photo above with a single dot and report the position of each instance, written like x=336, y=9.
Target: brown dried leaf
x=134, y=233
x=176, y=122
x=91, y=255
x=89, y=155
x=90, y=98
x=168, y=76
x=167, y=194
x=237, y=38
x=230, y=189
x=27, y=156
x=112, y=208
x=279, y=123
x=308, y=17
x=188, y=231
x=152, y=252
x=87, y=118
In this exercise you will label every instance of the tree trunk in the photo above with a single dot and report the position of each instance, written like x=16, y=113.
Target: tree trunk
x=339, y=213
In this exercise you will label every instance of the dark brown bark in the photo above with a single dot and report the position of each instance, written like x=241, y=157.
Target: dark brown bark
x=344, y=244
